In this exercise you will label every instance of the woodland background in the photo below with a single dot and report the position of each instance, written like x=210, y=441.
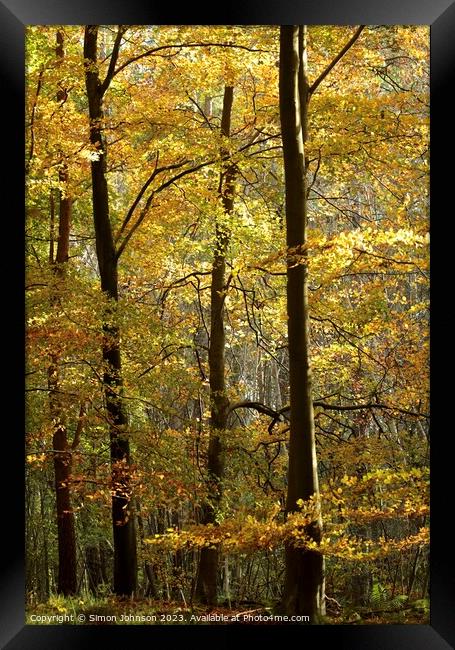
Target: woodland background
x=158, y=386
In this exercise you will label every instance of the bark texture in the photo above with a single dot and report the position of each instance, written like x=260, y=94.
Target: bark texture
x=303, y=589
x=66, y=535
x=125, y=559
x=206, y=589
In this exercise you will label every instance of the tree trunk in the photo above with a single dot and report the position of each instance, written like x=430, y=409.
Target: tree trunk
x=303, y=589
x=151, y=589
x=125, y=561
x=45, y=548
x=93, y=565
x=66, y=535
x=206, y=589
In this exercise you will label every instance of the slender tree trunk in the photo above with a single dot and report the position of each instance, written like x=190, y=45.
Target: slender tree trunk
x=150, y=589
x=66, y=535
x=93, y=565
x=413, y=573
x=67, y=579
x=45, y=548
x=206, y=589
x=125, y=560
x=303, y=589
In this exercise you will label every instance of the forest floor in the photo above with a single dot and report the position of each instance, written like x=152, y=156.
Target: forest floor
x=115, y=611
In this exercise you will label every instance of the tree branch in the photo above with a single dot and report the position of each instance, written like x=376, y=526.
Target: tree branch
x=206, y=119
x=154, y=50
x=276, y=416
x=32, y=121
x=182, y=282
x=370, y=405
x=333, y=63
x=279, y=415
x=157, y=170
x=169, y=182
x=144, y=211
x=257, y=406
x=165, y=355
x=114, y=56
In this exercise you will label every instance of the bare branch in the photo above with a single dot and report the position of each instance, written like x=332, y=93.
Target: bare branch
x=370, y=405
x=281, y=414
x=206, y=119
x=257, y=406
x=182, y=282
x=164, y=356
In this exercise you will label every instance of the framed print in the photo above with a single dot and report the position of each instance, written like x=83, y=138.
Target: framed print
x=231, y=298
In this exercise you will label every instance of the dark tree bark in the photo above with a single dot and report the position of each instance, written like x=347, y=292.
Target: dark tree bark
x=125, y=561
x=66, y=535
x=206, y=589
x=303, y=589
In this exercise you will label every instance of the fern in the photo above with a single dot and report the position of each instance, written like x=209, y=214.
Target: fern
x=398, y=601
x=379, y=595
x=381, y=598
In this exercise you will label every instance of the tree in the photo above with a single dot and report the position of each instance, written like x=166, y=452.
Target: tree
x=303, y=588
x=66, y=536
x=304, y=581
x=125, y=562
x=219, y=403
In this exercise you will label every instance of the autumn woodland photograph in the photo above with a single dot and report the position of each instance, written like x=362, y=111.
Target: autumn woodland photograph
x=227, y=325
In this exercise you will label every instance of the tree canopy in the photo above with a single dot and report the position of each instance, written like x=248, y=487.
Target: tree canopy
x=157, y=352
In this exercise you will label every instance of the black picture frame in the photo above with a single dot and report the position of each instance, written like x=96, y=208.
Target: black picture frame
x=14, y=16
